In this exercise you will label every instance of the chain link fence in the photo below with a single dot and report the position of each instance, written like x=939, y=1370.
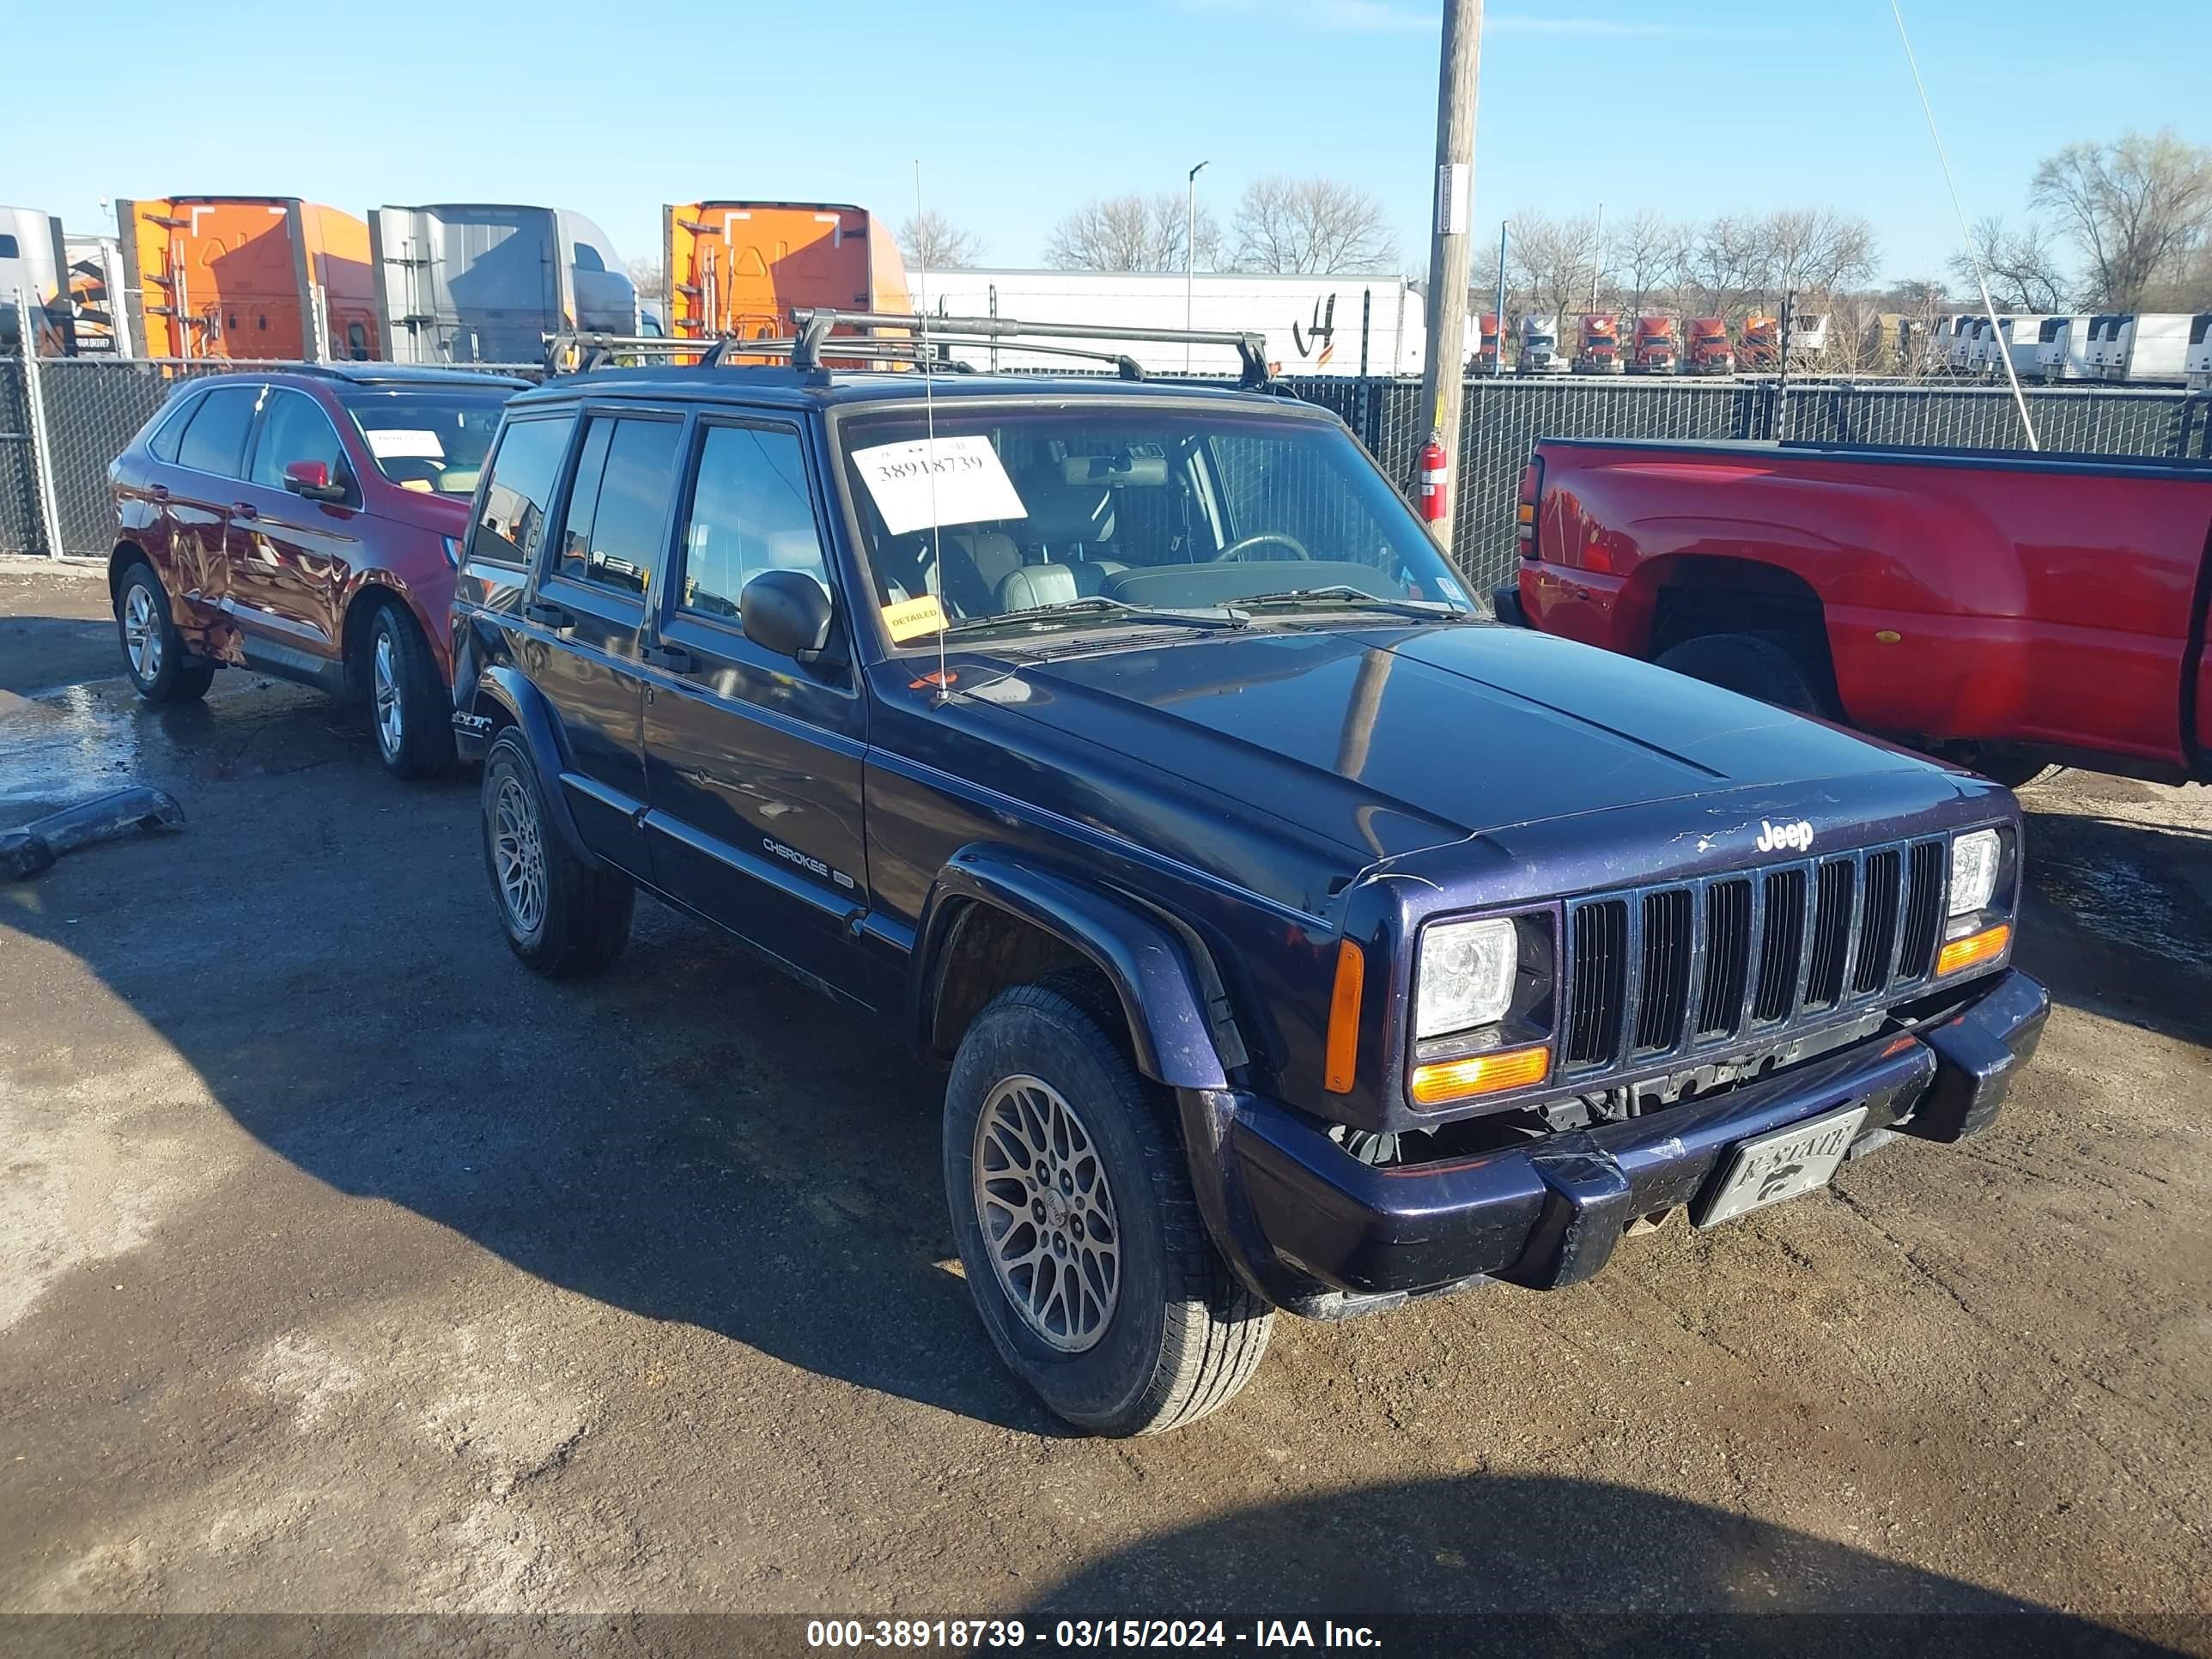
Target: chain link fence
x=88, y=408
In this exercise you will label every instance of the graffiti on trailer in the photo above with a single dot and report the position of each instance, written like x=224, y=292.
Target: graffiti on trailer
x=1322, y=337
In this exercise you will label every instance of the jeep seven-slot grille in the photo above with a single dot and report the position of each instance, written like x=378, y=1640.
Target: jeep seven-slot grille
x=1689, y=965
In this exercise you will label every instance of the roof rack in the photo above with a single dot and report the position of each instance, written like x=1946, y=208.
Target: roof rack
x=920, y=341
x=814, y=328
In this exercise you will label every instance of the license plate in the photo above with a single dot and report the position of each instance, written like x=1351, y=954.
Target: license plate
x=1785, y=1164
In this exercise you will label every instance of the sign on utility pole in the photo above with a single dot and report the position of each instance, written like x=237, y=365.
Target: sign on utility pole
x=1443, y=377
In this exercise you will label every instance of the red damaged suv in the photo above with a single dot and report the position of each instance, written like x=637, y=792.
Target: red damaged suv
x=306, y=522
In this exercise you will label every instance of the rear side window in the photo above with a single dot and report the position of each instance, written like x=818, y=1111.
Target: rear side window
x=618, y=508
x=751, y=512
x=295, y=428
x=171, y=430
x=214, y=441
x=523, y=472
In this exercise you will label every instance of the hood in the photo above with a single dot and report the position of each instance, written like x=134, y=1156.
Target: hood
x=1393, y=740
x=443, y=515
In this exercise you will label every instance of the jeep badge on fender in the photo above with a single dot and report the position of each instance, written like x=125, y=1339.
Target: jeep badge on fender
x=1253, y=991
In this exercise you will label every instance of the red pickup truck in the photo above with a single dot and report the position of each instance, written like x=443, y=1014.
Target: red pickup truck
x=2009, y=611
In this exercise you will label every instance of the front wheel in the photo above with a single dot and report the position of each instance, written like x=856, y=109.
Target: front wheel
x=563, y=917
x=1079, y=1233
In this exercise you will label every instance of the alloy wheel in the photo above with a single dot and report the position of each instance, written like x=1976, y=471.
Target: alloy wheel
x=519, y=856
x=384, y=681
x=142, y=634
x=1046, y=1213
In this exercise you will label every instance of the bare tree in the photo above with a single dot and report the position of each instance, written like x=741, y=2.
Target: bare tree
x=1646, y=253
x=1725, y=265
x=1550, y=261
x=2136, y=210
x=1130, y=233
x=2022, y=267
x=1814, y=252
x=651, y=283
x=1314, y=225
x=934, y=242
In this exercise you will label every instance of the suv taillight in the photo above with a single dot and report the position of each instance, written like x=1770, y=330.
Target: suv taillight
x=1524, y=515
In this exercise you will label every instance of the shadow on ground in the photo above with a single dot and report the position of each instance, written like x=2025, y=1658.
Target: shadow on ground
x=39, y=652
x=1491, y=1564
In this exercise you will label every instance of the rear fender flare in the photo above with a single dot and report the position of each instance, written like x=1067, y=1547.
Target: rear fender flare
x=525, y=707
x=1178, y=1029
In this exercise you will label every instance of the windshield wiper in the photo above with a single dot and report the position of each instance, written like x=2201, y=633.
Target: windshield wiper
x=1427, y=609
x=1101, y=604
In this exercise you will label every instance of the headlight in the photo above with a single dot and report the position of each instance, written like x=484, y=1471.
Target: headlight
x=1974, y=861
x=1465, y=975
x=452, y=551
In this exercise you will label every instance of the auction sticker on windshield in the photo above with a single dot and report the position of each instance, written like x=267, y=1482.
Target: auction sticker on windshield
x=938, y=482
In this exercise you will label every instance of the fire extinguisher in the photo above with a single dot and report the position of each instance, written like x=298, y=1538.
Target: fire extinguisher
x=1435, y=477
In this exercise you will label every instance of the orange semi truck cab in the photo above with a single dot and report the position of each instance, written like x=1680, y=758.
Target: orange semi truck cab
x=1597, y=350
x=1657, y=351
x=1762, y=343
x=251, y=277
x=1706, y=351
x=741, y=268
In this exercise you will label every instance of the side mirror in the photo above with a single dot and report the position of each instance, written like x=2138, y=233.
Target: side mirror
x=311, y=480
x=785, y=611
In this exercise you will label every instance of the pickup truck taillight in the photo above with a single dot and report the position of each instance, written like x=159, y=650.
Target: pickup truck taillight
x=1532, y=491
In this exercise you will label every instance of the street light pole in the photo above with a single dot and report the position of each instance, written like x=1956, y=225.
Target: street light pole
x=1190, y=255
x=1443, y=376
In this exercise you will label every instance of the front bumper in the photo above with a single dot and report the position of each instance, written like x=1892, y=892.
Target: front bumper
x=1318, y=1233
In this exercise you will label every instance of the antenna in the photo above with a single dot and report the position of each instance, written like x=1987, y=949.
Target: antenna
x=1981, y=276
x=929, y=447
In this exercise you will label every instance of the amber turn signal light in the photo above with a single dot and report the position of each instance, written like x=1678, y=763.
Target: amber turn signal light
x=1446, y=1080
x=1975, y=947
x=1343, y=1062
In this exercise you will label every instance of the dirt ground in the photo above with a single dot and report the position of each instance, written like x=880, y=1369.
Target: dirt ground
x=349, y=1267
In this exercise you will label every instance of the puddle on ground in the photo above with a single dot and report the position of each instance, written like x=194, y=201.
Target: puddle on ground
x=2126, y=882
x=65, y=744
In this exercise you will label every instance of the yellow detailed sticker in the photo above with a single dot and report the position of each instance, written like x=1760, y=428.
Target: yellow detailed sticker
x=911, y=619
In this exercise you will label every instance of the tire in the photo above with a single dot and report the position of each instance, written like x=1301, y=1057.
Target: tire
x=1757, y=664
x=411, y=712
x=153, y=653
x=573, y=919
x=1175, y=1334
x=2014, y=771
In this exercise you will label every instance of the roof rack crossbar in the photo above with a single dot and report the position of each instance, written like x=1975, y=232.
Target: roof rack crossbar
x=1250, y=347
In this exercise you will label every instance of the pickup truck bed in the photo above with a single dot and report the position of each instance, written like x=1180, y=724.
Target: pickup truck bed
x=2008, y=610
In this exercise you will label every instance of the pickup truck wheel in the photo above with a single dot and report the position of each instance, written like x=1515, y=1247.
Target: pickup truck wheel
x=1082, y=1244
x=152, y=652
x=562, y=918
x=1757, y=664
x=408, y=707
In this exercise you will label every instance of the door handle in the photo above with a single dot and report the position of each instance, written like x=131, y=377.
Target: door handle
x=558, y=617
x=160, y=492
x=673, y=658
x=244, y=510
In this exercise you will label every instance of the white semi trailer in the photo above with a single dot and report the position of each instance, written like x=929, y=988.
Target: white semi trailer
x=1344, y=325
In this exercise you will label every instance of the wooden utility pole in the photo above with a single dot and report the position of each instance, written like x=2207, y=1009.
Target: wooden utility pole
x=1443, y=376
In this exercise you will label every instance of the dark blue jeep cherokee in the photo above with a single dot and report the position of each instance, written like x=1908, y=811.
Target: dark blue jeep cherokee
x=1295, y=937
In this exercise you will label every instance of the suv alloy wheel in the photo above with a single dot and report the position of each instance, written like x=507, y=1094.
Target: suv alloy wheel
x=1082, y=1244
x=153, y=653
x=563, y=917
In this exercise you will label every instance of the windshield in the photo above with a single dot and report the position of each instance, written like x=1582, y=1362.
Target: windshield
x=1058, y=518
x=431, y=439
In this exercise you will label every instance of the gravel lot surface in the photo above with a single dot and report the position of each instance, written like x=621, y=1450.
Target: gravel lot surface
x=349, y=1267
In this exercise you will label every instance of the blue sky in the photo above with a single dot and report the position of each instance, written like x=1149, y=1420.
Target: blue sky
x=1016, y=112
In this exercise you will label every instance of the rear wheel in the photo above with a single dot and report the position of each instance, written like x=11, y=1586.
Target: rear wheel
x=1759, y=666
x=153, y=652
x=1082, y=1243
x=563, y=917
x=409, y=708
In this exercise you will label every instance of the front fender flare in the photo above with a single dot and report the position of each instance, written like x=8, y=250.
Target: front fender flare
x=526, y=710
x=1172, y=1016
